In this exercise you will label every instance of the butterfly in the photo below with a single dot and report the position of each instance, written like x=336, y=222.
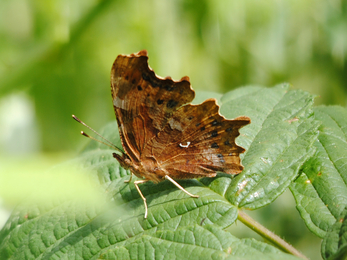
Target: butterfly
x=163, y=136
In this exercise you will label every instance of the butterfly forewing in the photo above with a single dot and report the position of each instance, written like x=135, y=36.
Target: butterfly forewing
x=143, y=103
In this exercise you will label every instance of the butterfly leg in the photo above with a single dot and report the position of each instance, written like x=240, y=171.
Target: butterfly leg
x=139, y=191
x=180, y=187
x=131, y=176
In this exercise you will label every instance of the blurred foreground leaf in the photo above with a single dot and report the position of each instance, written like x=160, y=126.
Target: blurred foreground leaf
x=27, y=181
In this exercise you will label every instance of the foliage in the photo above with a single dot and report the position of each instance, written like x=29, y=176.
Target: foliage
x=60, y=52
x=57, y=55
x=283, y=149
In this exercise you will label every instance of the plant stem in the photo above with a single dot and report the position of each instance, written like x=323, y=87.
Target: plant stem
x=267, y=234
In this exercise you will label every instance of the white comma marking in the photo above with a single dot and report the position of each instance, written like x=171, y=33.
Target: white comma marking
x=185, y=145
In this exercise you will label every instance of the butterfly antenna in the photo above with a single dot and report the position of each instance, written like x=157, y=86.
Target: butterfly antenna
x=107, y=143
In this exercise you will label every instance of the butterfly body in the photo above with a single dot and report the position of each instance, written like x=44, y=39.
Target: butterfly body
x=147, y=168
x=165, y=137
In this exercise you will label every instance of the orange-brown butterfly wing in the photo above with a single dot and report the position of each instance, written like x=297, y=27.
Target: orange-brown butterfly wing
x=143, y=103
x=197, y=141
x=164, y=136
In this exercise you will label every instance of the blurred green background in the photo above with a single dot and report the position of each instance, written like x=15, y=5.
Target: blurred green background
x=56, y=56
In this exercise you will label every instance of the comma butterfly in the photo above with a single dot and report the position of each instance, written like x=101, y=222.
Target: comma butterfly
x=164, y=137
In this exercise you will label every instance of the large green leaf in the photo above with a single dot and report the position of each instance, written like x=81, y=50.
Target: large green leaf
x=321, y=191
x=278, y=140
x=334, y=245
x=177, y=225
x=193, y=242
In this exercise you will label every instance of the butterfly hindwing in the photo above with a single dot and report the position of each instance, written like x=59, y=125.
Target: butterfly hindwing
x=197, y=141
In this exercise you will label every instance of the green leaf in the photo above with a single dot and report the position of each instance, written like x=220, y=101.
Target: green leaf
x=66, y=227
x=278, y=141
x=193, y=242
x=201, y=96
x=115, y=225
x=334, y=245
x=321, y=191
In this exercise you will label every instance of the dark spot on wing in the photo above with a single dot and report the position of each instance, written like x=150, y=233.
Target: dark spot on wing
x=139, y=87
x=214, y=145
x=126, y=77
x=168, y=87
x=171, y=104
x=221, y=157
x=229, y=129
x=198, y=124
x=133, y=81
x=214, y=133
x=202, y=128
x=160, y=101
x=190, y=117
x=145, y=76
x=226, y=142
x=215, y=122
x=154, y=84
x=151, y=81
